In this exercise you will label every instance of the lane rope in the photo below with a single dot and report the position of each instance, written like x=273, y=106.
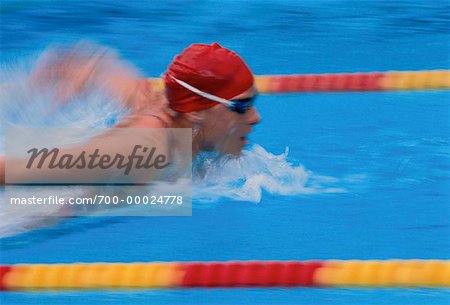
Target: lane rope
x=348, y=82
x=328, y=273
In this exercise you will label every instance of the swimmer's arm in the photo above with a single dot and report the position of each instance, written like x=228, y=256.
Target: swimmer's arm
x=73, y=77
x=133, y=122
x=73, y=72
x=115, y=141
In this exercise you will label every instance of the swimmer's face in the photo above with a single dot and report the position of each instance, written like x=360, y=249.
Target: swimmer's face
x=226, y=131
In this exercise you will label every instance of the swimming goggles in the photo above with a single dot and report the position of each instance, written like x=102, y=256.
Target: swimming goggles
x=240, y=106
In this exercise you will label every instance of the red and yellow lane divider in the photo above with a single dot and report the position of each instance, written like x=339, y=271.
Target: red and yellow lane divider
x=352, y=273
x=348, y=82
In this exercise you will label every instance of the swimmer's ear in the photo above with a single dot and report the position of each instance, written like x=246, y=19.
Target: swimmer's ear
x=195, y=117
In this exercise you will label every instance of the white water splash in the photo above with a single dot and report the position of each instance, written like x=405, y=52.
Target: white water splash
x=257, y=171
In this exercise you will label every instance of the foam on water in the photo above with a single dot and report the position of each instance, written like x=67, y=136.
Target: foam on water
x=257, y=171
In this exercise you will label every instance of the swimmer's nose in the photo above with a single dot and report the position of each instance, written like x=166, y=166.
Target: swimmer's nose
x=253, y=116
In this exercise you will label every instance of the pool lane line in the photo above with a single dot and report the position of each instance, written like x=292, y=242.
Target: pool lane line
x=348, y=82
x=328, y=273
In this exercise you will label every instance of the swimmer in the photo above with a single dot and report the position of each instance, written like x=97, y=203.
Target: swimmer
x=207, y=88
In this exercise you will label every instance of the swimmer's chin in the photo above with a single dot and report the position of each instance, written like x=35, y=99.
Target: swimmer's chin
x=237, y=152
x=230, y=151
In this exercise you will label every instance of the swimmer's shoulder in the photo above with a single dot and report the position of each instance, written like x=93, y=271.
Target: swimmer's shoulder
x=143, y=121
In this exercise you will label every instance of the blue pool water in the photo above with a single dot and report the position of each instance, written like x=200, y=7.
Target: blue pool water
x=376, y=164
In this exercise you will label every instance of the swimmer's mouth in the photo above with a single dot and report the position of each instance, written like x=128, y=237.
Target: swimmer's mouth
x=244, y=140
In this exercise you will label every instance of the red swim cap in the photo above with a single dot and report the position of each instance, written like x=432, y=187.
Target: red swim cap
x=209, y=68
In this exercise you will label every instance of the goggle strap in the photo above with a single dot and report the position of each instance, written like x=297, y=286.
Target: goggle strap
x=202, y=93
